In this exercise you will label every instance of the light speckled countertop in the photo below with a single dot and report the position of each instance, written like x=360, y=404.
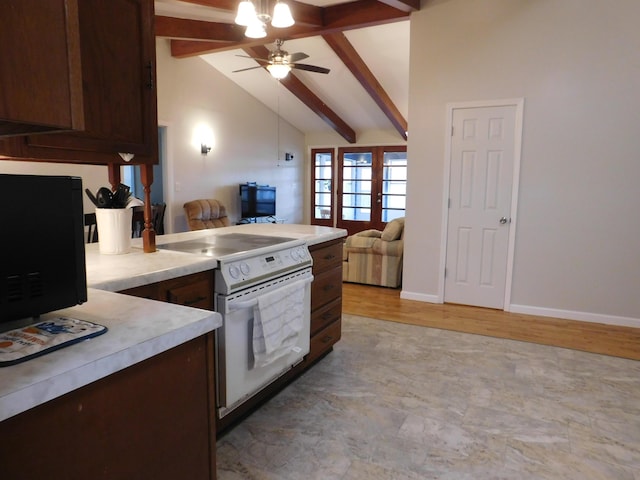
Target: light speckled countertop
x=138, y=328
x=120, y=272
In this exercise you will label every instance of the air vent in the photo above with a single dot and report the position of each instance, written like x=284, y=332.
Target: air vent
x=35, y=286
x=24, y=287
x=14, y=289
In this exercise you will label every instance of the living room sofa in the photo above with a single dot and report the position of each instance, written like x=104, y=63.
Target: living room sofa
x=374, y=257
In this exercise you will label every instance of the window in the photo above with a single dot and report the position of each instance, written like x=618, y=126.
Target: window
x=322, y=187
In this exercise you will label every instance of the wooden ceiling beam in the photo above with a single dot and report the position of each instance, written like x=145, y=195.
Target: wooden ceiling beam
x=318, y=21
x=310, y=99
x=191, y=48
x=404, y=5
x=180, y=28
x=303, y=13
x=354, y=62
x=228, y=5
x=360, y=14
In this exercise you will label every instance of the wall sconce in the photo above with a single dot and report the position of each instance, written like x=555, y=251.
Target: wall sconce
x=204, y=148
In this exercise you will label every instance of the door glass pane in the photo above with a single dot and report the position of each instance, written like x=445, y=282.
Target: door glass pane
x=323, y=199
x=361, y=214
x=323, y=172
x=323, y=164
x=388, y=215
x=356, y=186
x=394, y=185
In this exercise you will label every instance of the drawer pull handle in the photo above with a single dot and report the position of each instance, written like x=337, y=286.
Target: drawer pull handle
x=326, y=316
x=327, y=338
x=195, y=300
x=328, y=287
x=329, y=256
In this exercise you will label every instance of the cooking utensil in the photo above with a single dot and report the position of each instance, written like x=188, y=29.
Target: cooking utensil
x=92, y=197
x=121, y=196
x=105, y=198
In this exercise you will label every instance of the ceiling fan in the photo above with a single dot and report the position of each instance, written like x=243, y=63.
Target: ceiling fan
x=280, y=62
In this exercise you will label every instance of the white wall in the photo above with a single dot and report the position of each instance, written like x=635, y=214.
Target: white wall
x=575, y=62
x=244, y=133
x=93, y=177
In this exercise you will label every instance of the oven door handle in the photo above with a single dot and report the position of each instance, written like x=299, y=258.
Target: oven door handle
x=235, y=305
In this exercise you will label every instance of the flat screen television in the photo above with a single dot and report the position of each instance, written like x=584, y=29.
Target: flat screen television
x=42, y=264
x=257, y=200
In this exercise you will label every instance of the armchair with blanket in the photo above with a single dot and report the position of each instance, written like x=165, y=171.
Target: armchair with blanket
x=374, y=257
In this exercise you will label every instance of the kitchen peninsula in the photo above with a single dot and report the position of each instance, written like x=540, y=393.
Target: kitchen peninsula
x=131, y=395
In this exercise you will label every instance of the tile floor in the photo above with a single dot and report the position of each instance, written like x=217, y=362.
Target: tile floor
x=395, y=401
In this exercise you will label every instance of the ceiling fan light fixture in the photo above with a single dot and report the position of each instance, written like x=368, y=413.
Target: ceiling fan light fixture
x=282, y=17
x=246, y=13
x=279, y=71
x=256, y=29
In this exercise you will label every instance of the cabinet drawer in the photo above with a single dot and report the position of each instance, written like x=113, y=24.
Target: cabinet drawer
x=325, y=315
x=326, y=256
x=324, y=340
x=326, y=286
x=195, y=290
x=199, y=294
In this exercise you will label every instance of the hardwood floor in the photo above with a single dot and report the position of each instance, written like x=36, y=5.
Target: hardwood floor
x=386, y=304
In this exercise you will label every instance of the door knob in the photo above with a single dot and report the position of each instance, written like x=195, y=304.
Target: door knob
x=503, y=220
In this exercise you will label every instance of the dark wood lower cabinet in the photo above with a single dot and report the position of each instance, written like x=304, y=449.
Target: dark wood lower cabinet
x=194, y=290
x=153, y=420
x=326, y=314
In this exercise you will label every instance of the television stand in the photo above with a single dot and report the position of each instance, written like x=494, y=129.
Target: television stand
x=267, y=219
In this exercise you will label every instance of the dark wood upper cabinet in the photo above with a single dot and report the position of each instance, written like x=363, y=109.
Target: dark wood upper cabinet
x=40, y=67
x=117, y=56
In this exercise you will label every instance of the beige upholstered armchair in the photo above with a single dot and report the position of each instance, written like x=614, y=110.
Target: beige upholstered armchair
x=205, y=213
x=374, y=257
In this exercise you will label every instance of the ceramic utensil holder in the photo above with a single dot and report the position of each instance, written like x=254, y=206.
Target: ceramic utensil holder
x=114, y=230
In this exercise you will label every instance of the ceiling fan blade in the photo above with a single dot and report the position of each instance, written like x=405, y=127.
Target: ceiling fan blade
x=254, y=58
x=296, y=57
x=310, y=68
x=245, y=69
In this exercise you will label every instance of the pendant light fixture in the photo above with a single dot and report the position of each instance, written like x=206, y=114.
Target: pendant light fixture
x=256, y=20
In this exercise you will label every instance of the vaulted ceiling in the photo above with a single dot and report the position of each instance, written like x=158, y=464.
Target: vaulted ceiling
x=364, y=43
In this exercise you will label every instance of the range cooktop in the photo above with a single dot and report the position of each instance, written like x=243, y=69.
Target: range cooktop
x=245, y=259
x=228, y=244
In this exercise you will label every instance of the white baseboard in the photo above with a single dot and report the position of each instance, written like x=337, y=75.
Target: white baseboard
x=573, y=315
x=543, y=312
x=420, y=297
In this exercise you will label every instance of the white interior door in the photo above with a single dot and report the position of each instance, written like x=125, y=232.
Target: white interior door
x=480, y=190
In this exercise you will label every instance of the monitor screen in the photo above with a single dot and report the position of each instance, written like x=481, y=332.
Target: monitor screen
x=257, y=200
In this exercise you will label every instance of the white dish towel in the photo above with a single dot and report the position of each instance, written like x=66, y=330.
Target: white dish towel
x=277, y=321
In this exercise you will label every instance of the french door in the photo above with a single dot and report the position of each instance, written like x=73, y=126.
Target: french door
x=372, y=185
x=322, y=172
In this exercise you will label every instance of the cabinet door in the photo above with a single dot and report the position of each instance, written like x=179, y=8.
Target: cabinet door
x=322, y=342
x=326, y=256
x=326, y=287
x=153, y=420
x=40, y=71
x=117, y=47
